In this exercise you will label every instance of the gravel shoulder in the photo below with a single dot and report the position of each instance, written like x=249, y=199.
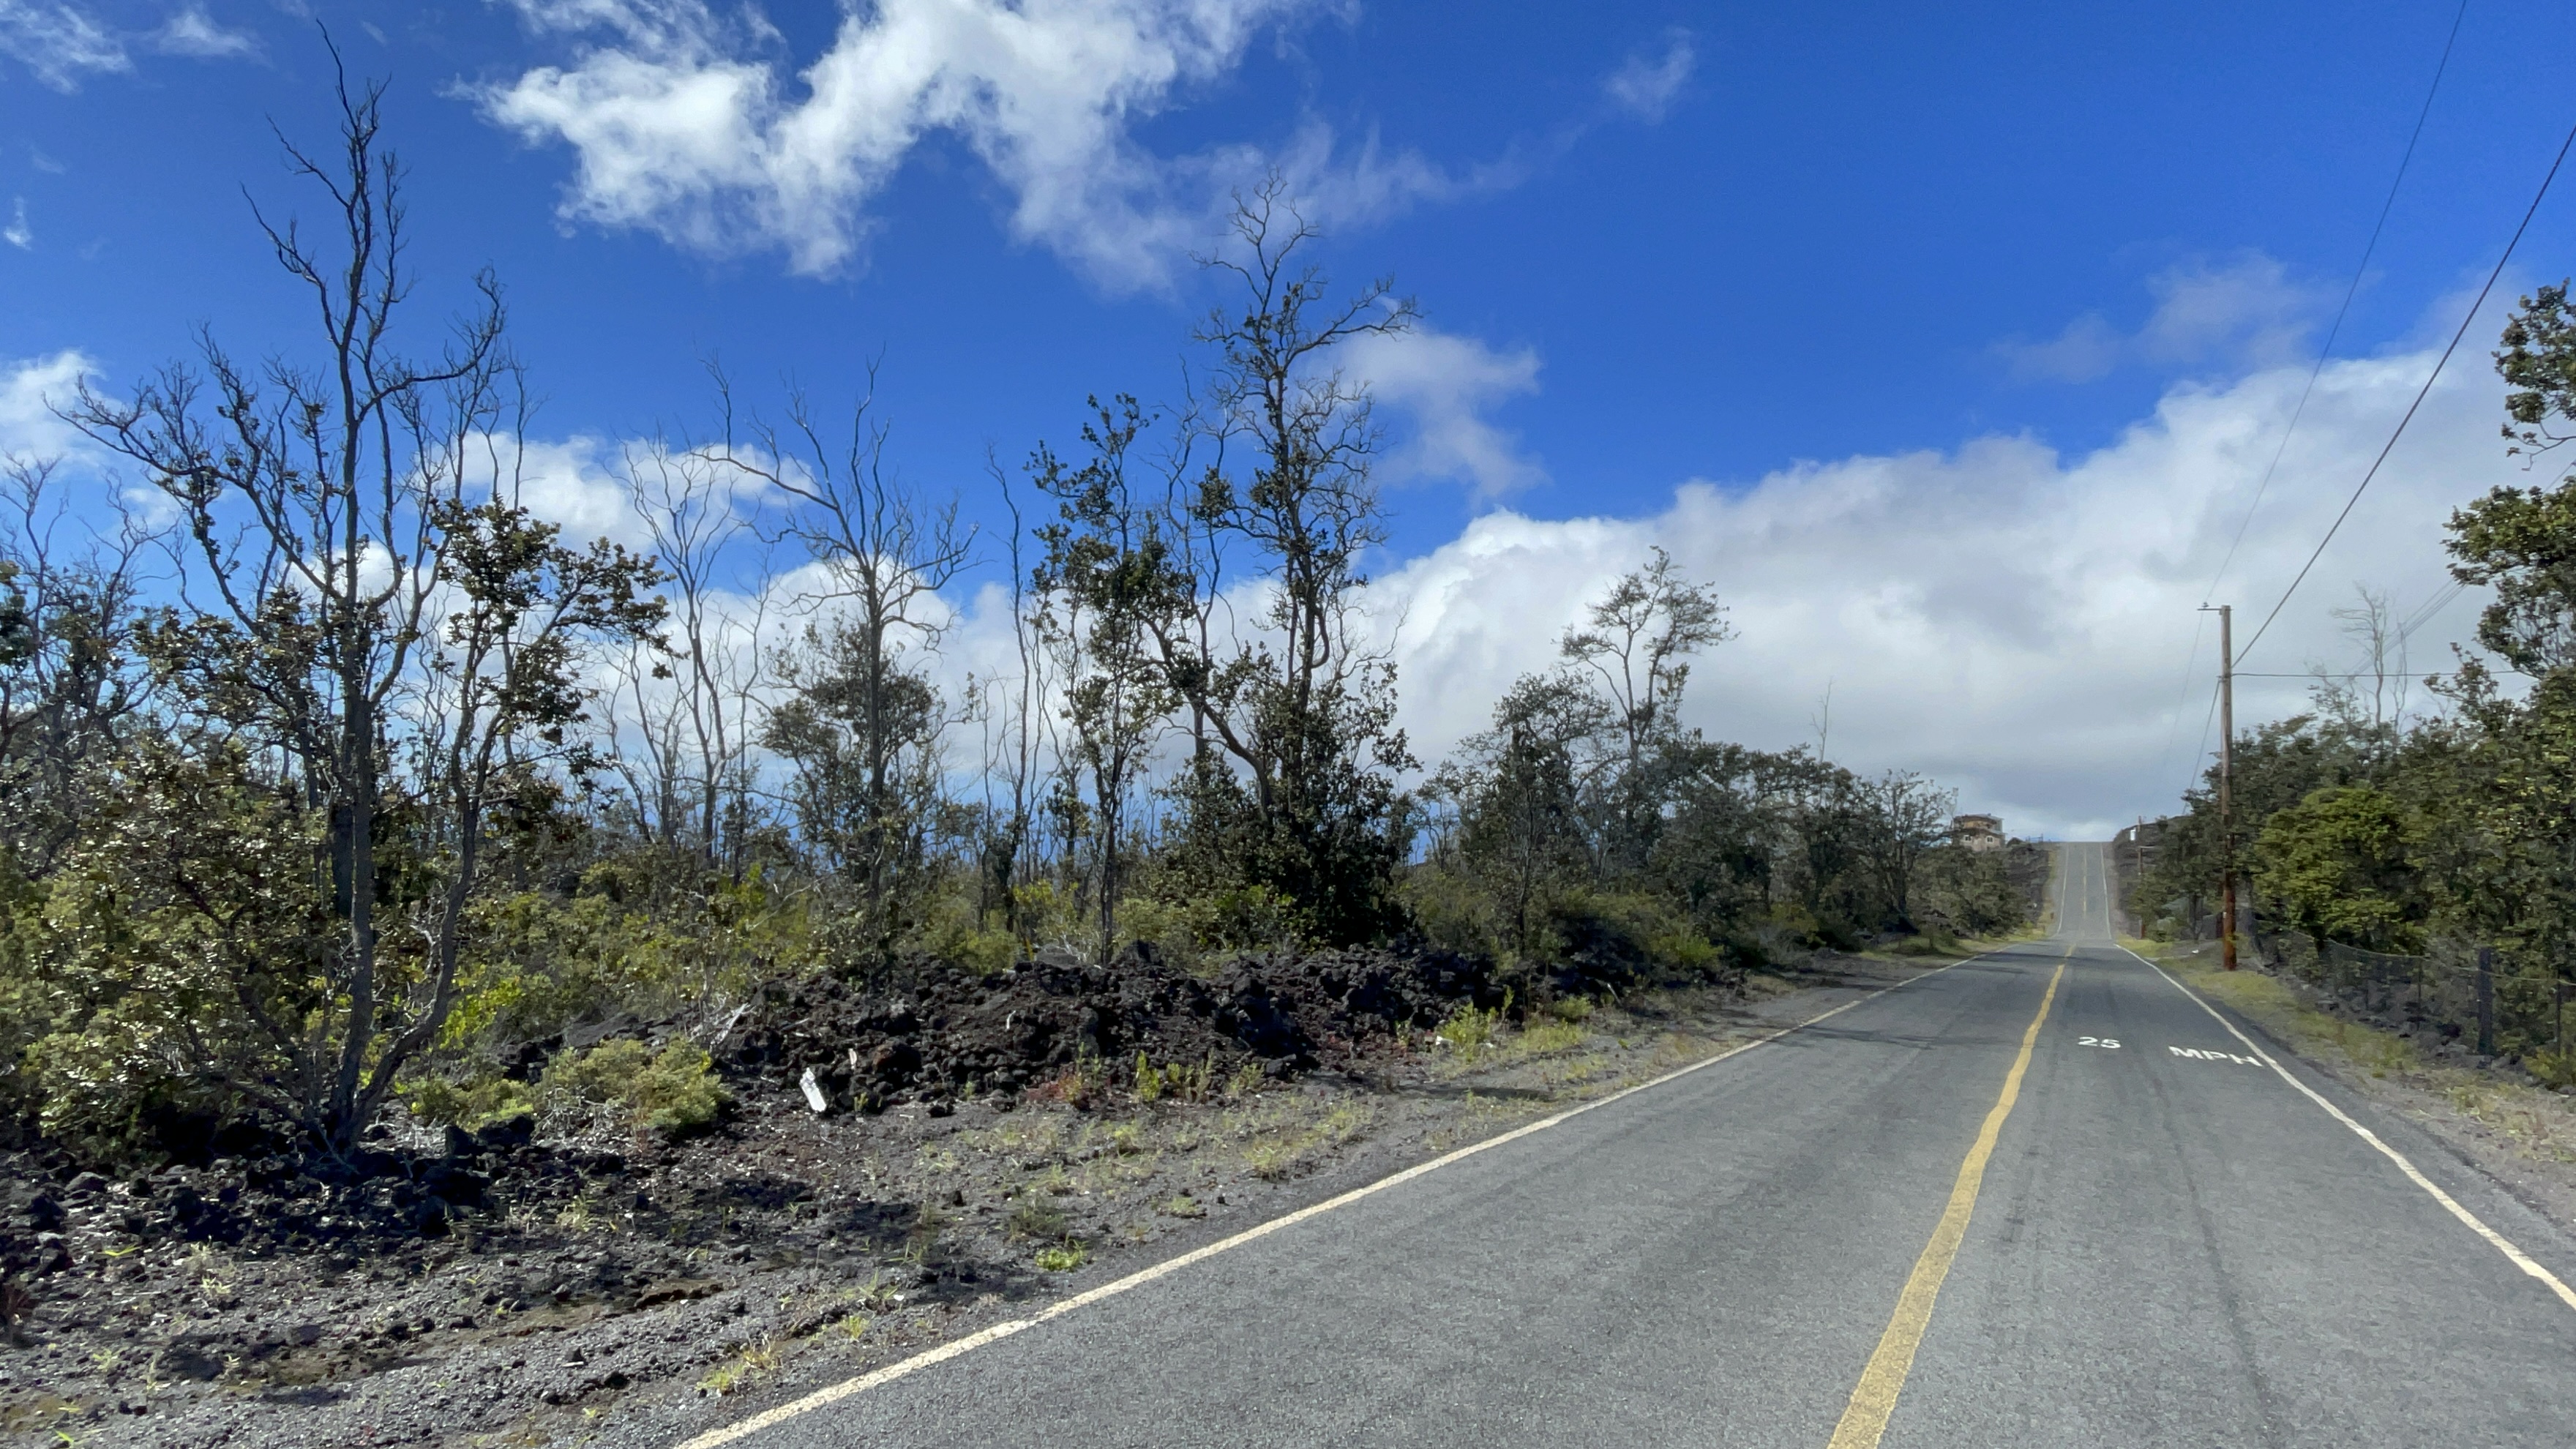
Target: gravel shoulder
x=641, y=1292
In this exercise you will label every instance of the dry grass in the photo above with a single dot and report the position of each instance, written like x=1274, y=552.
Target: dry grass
x=744, y=1367
x=1290, y=1140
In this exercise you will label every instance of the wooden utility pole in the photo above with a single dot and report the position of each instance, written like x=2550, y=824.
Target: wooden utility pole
x=2226, y=770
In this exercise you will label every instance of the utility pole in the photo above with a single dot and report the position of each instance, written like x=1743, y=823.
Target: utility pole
x=2226, y=770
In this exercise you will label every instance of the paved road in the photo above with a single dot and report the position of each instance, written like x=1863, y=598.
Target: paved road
x=2164, y=1249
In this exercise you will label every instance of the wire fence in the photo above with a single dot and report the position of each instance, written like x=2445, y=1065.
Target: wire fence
x=2503, y=1007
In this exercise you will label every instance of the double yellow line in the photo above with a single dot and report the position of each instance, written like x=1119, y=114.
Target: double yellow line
x=1874, y=1397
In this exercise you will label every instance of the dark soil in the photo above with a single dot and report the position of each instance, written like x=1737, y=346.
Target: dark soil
x=989, y=1148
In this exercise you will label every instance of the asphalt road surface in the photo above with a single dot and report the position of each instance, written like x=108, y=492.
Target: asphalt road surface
x=1994, y=1206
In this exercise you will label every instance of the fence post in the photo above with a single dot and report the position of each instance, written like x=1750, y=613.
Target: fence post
x=2486, y=1001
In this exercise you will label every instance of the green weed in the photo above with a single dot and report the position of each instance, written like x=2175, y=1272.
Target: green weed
x=1279, y=1156
x=749, y=1364
x=1036, y=1218
x=1467, y=1028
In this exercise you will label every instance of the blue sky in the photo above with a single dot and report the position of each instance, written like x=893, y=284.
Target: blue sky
x=1999, y=260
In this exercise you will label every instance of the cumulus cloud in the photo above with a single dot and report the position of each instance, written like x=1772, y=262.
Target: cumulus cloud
x=574, y=484
x=2008, y=619
x=192, y=32
x=2244, y=312
x=1645, y=86
x=1446, y=385
x=686, y=122
x=59, y=42
x=30, y=390
x=17, y=233
x=2015, y=621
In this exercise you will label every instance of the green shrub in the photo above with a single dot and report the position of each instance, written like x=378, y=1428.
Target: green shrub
x=1452, y=911
x=674, y=1092
x=1193, y=927
x=1467, y=1028
x=2552, y=1069
x=470, y=1105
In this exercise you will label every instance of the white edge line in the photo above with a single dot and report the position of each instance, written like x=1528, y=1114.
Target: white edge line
x=848, y=1388
x=2498, y=1241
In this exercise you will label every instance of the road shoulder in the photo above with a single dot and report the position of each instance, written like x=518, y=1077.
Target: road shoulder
x=2510, y=1131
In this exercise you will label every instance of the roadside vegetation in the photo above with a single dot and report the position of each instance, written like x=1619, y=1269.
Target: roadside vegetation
x=389, y=880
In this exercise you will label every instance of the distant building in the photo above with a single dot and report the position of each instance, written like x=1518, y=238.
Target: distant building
x=1977, y=832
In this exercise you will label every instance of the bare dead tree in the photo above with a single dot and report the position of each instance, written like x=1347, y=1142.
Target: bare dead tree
x=376, y=597
x=1017, y=737
x=867, y=717
x=700, y=739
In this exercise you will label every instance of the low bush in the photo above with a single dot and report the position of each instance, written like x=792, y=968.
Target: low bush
x=673, y=1092
x=2552, y=1069
x=469, y=1105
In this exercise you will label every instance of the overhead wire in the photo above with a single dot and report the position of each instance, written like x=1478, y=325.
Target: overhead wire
x=2420, y=394
x=2360, y=270
x=2350, y=291
x=2206, y=721
x=2173, y=728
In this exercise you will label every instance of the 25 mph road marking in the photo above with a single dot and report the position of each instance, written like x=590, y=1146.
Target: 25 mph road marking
x=1874, y=1397
x=2197, y=1054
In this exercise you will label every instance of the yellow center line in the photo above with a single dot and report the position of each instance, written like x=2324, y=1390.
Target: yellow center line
x=1874, y=1397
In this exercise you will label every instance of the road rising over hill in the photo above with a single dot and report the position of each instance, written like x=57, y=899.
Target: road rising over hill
x=2041, y=1197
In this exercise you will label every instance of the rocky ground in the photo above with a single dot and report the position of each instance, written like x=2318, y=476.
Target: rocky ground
x=984, y=1146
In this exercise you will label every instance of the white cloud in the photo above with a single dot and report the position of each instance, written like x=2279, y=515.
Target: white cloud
x=2089, y=348
x=685, y=123
x=1446, y=384
x=1646, y=86
x=193, y=32
x=30, y=390
x=17, y=233
x=58, y=42
x=2007, y=619
x=2242, y=313
x=573, y=484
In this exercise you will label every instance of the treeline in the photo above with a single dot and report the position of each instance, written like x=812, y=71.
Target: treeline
x=337, y=783
x=2371, y=823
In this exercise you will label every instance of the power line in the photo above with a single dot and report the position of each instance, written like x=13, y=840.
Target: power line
x=2173, y=726
x=2349, y=292
x=2420, y=394
x=2423, y=615
x=2199, y=769
x=2360, y=270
